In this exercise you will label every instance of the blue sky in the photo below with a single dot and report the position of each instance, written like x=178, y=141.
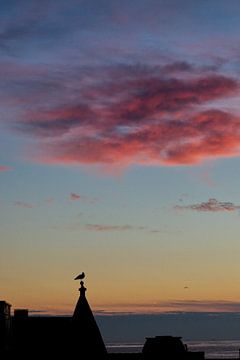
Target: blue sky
x=119, y=153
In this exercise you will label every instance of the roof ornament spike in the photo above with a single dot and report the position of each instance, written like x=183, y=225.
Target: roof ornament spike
x=85, y=332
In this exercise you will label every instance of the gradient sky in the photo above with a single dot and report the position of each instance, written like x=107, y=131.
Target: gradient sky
x=119, y=154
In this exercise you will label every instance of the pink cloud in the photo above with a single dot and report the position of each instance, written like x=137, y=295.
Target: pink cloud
x=139, y=115
x=4, y=168
x=212, y=205
x=187, y=141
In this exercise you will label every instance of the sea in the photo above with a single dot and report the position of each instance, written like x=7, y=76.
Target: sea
x=214, y=349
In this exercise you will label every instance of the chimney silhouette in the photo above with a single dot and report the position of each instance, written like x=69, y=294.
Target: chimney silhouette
x=86, y=334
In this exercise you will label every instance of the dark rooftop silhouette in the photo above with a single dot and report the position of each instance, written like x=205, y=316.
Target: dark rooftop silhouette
x=168, y=347
x=76, y=337
x=51, y=337
x=86, y=333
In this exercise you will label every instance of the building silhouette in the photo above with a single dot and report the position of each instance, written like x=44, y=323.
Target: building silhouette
x=85, y=330
x=51, y=336
x=167, y=348
x=5, y=326
x=76, y=337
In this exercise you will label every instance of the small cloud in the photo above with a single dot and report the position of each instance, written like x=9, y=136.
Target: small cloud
x=5, y=168
x=212, y=205
x=104, y=227
x=36, y=311
x=49, y=201
x=22, y=204
x=98, y=227
x=74, y=197
x=83, y=198
x=107, y=227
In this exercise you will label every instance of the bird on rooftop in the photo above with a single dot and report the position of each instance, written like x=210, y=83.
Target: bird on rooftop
x=80, y=276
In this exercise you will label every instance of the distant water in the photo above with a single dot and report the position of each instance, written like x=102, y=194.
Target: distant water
x=216, y=349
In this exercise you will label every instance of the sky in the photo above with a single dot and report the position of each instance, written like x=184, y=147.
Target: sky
x=119, y=155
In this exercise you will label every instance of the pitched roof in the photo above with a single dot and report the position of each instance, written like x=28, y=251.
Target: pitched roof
x=86, y=334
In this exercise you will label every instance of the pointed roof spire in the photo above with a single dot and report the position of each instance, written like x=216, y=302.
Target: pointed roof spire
x=86, y=333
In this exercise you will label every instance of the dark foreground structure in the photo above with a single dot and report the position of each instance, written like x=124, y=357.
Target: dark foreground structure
x=168, y=347
x=23, y=336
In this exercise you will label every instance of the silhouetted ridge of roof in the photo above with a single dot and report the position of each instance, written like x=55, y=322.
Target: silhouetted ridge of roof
x=86, y=334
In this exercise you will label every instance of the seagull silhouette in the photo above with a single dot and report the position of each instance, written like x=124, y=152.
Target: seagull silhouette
x=80, y=276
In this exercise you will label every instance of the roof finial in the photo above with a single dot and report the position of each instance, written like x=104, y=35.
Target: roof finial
x=80, y=277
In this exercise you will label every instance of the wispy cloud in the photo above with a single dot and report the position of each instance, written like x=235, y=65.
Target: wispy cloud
x=127, y=227
x=87, y=99
x=36, y=311
x=111, y=228
x=5, y=168
x=174, y=306
x=212, y=307
x=78, y=197
x=98, y=227
x=22, y=204
x=139, y=115
x=203, y=305
x=49, y=201
x=212, y=205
